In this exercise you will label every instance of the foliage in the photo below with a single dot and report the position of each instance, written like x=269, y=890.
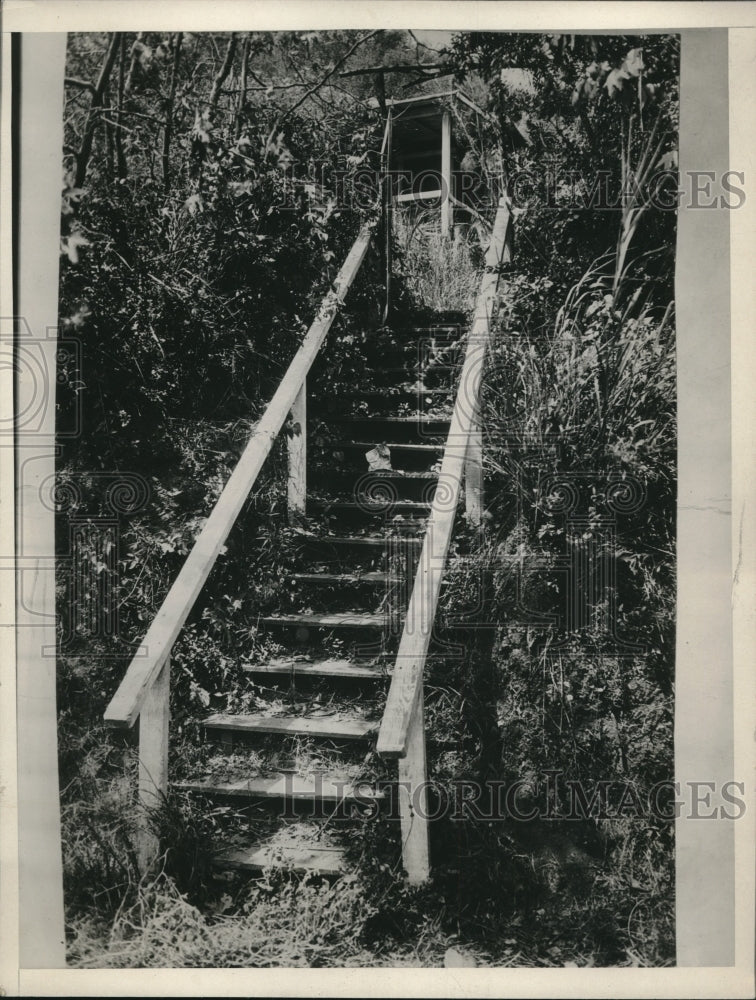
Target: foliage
x=587, y=105
x=200, y=230
x=307, y=925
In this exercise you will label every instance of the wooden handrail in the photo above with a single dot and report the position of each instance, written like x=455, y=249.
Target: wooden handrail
x=407, y=680
x=143, y=671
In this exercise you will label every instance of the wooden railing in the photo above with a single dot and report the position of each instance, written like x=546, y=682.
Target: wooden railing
x=402, y=733
x=144, y=691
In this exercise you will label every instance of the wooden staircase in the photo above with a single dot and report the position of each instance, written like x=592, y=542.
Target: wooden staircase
x=347, y=552
x=344, y=688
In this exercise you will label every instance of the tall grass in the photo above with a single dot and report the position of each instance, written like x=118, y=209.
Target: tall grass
x=442, y=274
x=601, y=383
x=294, y=925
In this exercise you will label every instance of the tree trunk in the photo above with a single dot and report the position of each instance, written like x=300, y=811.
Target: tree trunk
x=121, y=165
x=134, y=60
x=85, y=150
x=167, y=131
x=242, y=86
x=222, y=74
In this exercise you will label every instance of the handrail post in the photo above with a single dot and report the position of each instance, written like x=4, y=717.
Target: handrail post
x=297, y=483
x=474, y=473
x=154, y=720
x=413, y=800
x=387, y=211
x=447, y=212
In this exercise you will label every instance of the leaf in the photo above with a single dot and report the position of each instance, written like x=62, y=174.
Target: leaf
x=615, y=82
x=633, y=64
x=70, y=246
x=194, y=204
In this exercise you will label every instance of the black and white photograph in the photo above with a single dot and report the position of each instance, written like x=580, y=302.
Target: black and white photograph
x=371, y=438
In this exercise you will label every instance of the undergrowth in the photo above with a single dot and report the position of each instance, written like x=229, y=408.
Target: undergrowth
x=580, y=413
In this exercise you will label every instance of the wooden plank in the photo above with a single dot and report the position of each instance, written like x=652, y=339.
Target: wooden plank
x=430, y=99
x=413, y=801
x=297, y=455
x=406, y=683
x=447, y=211
x=364, y=540
x=400, y=446
x=410, y=196
x=376, y=418
x=327, y=727
x=368, y=506
x=388, y=393
x=474, y=476
x=125, y=706
x=353, y=579
x=343, y=620
x=387, y=210
x=296, y=858
x=400, y=474
x=285, y=785
x=154, y=722
x=319, y=668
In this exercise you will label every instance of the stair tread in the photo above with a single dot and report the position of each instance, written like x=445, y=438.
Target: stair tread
x=306, y=857
x=380, y=506
x=286, y=785
x=379, y=540
x=407, y=389
x=372, y=577
x=317, y=668
x=402, y=474
x=350, y=618
x=397, y=446
x=345, y=727
x=409, y=418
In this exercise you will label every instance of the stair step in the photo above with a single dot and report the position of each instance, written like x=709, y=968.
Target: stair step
x=318, y=668
x=374, y=541
x=376, y=475
x=286, y=785
x=299, y=858
x=403, y=390
x=346, y=619
x=395, y=506
x=354, y=579
x=401, y=474
x=328, y=727
x=396, y=446
x=371, y=578
x=406, y=418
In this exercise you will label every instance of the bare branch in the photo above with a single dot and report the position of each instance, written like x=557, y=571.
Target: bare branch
x=223, y=72
x=169, y=113
x=413, y=68
x=71, y=81
x=136, y=48
x=242, y=85
x=311, y=91
x=85, y=151
x=117, y=136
